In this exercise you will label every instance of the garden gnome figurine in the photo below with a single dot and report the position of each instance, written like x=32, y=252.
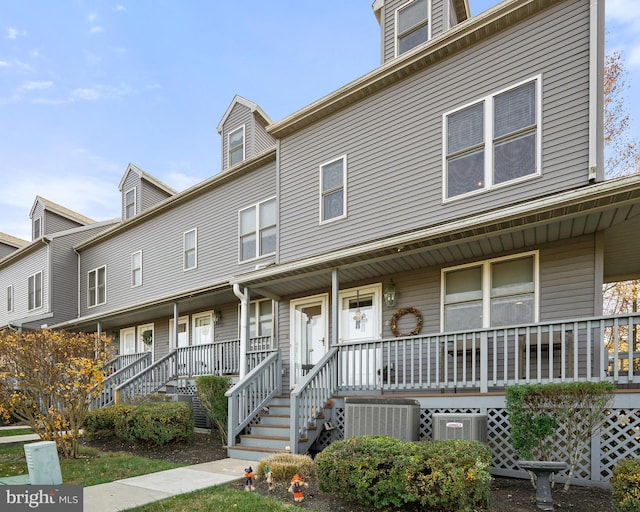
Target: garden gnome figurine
x=269, y=476
x=296, y=487
x=248, y=479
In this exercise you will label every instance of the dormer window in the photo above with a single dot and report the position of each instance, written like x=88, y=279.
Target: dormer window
x=236, y=146
x=130, y=203
x=37, y=228
x=412, y=25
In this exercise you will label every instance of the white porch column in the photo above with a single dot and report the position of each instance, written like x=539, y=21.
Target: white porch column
x=335, y=307
x=243, y=296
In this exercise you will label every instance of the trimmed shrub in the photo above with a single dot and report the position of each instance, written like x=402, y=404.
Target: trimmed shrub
x=381, y=471
x=625, y=485
x=157, y=423
x=101, y=423
x=284, y=465
x=211, y=390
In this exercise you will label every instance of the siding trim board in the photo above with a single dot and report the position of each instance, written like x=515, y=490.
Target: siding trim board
x=461, y=37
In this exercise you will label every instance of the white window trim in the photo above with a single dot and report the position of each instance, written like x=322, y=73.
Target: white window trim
x=256, y=232
x=184, y=250
x=244, y=145
x=96, y=289
x=204, y=314
x=135, y=202
x=487, y=101
x=123, y=334
x=37, y=220
x=256, y=319
x=10, y=299
x=344, y=189
x=35, y=297
x=396, y=35
x=181, y=320
x=133, y=285
x=486, y=285
x=140, y=346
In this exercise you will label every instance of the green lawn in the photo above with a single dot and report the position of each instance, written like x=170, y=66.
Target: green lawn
x=15, y=432
x=91, y=468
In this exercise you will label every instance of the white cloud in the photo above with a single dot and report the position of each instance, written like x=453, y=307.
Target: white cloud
x=98, y=92
x=92, y=17
x=32, y=86
x=14, y=33
x=96, y=30
x=120, y=8
x=3, y=64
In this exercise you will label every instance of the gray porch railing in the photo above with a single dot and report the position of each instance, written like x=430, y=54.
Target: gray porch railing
x=311, y=394
x=595, y=348
x=249, y=396
x=148, y=381
x=126, y=372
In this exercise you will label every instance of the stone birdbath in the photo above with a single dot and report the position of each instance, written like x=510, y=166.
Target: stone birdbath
x=543, y=469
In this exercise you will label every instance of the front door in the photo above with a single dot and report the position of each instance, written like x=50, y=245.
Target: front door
x=309, y=334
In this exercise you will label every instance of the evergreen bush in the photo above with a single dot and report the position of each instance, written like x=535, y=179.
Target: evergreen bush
x=625, y=486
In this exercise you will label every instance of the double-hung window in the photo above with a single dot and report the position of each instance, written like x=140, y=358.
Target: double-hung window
x=257, y=228
x=261, y=318
x=37, y=228
x=136, y=268
x=493, y=141
x=130, y=203
x=412, y=25
x=10, y=298
x=491, y=293
x=35, y=291
x=333, y=189
x=190, y=249
x=236, y=146
x=97, y=286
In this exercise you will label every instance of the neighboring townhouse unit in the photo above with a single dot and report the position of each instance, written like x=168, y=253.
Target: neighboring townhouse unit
x=439, y=229
x=9, y=244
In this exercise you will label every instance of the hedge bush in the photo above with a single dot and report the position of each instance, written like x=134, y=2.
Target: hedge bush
x=381, y=471
x=101, y=423
x=284, y=465
x=625, y=486
x=211, y=393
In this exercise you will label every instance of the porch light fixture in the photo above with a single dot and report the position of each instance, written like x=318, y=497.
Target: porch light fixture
x=216, y=316
x=389, y=295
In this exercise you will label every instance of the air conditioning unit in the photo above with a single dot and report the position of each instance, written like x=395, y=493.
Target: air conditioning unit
x=43, y=463
x=395, y=417
x=468, y=426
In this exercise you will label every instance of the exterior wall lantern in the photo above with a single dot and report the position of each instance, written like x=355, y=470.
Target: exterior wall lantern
x=216, y=316
x=389, y=295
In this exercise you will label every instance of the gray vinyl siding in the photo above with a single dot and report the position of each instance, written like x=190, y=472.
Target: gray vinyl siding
x=38, y=213
x=54, y=223
x=393, y=139
x=263, y=140
x=437, y=20
x=240, y=115
x=132, y=180
x=160, y=237
x=5, y=250
x=151, y=195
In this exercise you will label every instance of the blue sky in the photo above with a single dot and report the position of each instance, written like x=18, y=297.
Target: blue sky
x=87, y=86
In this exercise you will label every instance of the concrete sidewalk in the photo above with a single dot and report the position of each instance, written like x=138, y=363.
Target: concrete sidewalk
x=140, y=490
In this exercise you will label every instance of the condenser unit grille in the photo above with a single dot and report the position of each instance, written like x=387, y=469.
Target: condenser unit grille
x=468, y=426
x=389, y=417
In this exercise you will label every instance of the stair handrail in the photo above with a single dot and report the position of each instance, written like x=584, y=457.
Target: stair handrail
x=105, y=396
x=149, y=380
x=311, y=394
x=251, y=394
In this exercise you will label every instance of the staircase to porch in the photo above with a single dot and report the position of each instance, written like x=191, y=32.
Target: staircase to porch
x=272, y=433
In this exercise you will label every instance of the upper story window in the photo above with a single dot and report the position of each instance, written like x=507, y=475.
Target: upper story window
x=10, y=298
x=490, y=293
x=97, y=286
x=333, y=189
x=190, y=249
x=37, y=228
x=136, y=268
x=236, y=146
x=130, y=203
x=258, y=230
x=35, y=291
x=493, y=141
x=412, y=25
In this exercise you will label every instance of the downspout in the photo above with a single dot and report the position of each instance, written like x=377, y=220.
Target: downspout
x=78, y=280
x=243, y=297
x=596, y=91
x=47, y=241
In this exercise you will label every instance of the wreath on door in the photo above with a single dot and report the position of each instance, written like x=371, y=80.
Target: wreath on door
x=400, y=313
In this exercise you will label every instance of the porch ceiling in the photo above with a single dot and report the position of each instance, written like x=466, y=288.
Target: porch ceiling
x=612, y=207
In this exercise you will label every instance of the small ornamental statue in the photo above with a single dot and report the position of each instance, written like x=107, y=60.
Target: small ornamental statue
x=248, y=479
x=296, y=487
x=269, y=477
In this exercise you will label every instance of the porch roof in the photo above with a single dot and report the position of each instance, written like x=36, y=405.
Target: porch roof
x=612, y=206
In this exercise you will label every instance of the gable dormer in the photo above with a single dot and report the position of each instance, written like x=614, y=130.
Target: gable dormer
x=9, y=244
x=140, y=191
x=406, y=24
x=48, y=217
x=243, y=131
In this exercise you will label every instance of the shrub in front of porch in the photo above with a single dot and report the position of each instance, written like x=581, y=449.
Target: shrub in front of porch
x=625, y=485
x=211, y=390
x=102, y=423
x=283, y=466
x=382, y=471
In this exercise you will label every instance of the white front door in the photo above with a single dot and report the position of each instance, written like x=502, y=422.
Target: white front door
x=309, y=334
